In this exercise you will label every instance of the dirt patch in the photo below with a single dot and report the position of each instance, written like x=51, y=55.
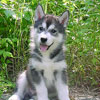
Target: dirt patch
x=84, y=94
x=75, y=94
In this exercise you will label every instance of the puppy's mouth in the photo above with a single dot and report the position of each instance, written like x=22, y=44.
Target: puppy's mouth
x=44, y=47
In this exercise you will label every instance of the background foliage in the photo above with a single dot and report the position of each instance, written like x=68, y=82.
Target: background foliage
x=83, y=39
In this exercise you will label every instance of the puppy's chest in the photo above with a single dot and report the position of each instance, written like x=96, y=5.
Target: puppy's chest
x=49, y=67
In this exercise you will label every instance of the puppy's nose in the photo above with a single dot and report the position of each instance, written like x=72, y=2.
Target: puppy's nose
x=43, y=40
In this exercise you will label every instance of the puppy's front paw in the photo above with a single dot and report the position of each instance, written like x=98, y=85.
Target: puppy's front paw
x=14, y=97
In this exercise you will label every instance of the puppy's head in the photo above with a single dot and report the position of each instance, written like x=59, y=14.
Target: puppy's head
x=49, y=29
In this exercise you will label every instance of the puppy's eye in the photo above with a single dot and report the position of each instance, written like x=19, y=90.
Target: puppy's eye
x=41, y=28
x=53, y=31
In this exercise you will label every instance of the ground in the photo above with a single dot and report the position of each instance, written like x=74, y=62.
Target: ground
x=84, y=94
x=75, y=94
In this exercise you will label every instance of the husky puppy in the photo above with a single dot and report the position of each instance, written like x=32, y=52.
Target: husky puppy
x=47, y=67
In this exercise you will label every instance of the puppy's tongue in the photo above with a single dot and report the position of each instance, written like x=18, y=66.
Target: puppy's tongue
x=43, y=47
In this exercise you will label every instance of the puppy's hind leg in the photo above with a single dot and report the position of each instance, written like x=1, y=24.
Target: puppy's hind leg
x=22, y=84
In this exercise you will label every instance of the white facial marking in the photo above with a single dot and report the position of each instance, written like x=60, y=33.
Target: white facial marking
x=51, y=27
x=43, y=35
x=44, y=25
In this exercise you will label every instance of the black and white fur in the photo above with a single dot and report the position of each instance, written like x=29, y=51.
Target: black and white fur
x=47, y=67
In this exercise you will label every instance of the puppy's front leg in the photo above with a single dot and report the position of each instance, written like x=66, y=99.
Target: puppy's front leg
x=61, y=86
x=42, y=93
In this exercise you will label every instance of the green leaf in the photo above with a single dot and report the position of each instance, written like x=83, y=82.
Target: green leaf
x=14, y=40
x=8, y=61
x=1, y=52
x=94, y=60
x=27, y=16
x=4, y=65
x=1, y=5
x=98, y=18
x=7, y=54
x=3, y=1
x=9, y=40
x=9, y=13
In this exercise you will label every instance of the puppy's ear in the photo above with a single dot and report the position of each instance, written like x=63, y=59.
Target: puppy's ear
x=39, y=13
x=63, y=19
